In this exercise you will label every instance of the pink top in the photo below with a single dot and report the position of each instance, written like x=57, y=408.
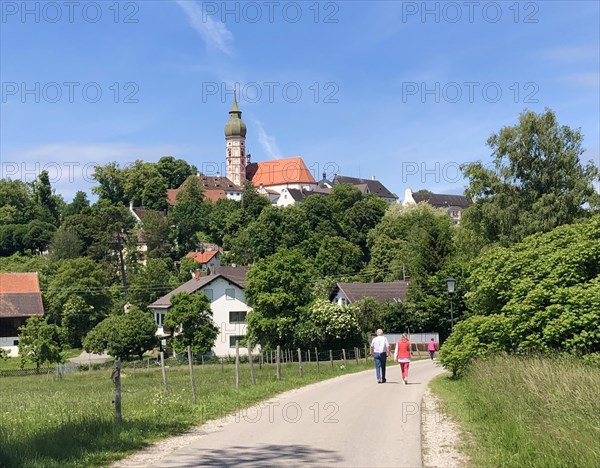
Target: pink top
x=431, y=346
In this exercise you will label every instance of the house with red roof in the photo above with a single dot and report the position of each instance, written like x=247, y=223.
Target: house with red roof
x=206, y=258
x=20, y=298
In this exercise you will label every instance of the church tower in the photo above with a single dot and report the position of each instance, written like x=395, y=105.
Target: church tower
x=235, y=138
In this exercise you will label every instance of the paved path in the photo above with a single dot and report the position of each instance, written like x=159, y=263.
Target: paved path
x=350, y=421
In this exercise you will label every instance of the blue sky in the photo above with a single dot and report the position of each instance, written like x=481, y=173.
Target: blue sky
x=404, y=91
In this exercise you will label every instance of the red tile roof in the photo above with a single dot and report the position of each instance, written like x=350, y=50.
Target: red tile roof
x=20, y=295
x=202, y=257
x=279, y=172
x=18, y=283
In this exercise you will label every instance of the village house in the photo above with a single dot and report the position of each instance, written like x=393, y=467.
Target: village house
x=224, y=286
x=454, y=205
x=348, y=293
x=206, y=259
x=20, y=298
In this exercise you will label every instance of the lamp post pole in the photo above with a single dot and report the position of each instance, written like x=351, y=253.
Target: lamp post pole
x=451, y=285
x=451, y=314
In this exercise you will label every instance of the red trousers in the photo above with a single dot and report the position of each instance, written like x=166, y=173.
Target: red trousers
x=404, y=369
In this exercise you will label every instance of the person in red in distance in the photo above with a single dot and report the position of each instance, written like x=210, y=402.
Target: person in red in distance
x=402, y=355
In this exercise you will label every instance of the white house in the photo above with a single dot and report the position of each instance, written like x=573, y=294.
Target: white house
x=224, y=286
x=206, y=259
x=454, y=205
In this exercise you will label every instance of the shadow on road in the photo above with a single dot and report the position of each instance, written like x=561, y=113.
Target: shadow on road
x=260, y=456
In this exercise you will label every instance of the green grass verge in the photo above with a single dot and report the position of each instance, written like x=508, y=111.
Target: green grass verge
x=70, y=422
x=527, y=411
x=15, y=362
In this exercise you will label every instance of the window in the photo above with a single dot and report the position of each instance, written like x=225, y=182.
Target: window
x=209, y=293
x=159, y=318
x=234, y=338
x=237, y=317
x=230, y=294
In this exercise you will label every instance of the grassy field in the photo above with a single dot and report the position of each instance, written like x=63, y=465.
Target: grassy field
x=527, y=412
x=15, y=362
x=69, y=422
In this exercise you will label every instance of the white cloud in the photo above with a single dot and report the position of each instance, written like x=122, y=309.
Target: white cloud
x=572, y=54
x=214, y=33
x=268, y=143
x=583, y=79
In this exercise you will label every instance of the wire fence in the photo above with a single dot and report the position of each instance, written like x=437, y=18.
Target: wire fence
x=266, y=357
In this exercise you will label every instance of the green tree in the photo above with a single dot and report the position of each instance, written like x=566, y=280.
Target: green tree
x=111, y=180
x=190, y=319
x=77, y=320
x=79, y=204
x=328, y=326
x=541, y=294
x=123, y=336
x=154, y=280
x=537, y=181
x=45, y=198
x=82, y=277
x=174, y=171
x=252, y=202
x=39, y=342
x=156, y=234
x=338, y=257
x=278, y=287
x=416, y=240
x=65, y=244
x=17, y=204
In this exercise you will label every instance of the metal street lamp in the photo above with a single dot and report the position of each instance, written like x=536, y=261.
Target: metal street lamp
x=451, y=284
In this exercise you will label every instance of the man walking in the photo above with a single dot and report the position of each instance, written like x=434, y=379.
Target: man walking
x=380, y=347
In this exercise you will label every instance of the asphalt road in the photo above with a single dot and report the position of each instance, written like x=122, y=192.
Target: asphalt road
x=351, y=421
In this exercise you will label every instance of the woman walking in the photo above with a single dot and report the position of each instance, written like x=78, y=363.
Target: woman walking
x=402, y=355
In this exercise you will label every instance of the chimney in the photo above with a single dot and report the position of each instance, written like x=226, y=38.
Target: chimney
x=197, y=275
x=373, y=178
x=324, y=175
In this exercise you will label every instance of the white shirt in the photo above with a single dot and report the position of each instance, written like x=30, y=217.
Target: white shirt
x=380, y=344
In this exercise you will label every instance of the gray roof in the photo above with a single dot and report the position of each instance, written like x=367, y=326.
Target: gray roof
x=383, y=292
x=296, y=194
x=442, y=201
x=21, y=305
x=235, y=275
x=374, y=186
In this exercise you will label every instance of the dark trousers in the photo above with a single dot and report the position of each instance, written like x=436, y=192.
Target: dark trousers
x=380, y=364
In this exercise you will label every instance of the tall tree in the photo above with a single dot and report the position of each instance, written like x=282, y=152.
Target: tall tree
x=537, y=181
x=46, y=199
x=39, y=342
x=278, y=287
x=190, y=320
x=111, y=179
x=175, y=171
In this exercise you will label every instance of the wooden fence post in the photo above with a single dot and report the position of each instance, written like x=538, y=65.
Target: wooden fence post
x=344, y=356
x=116, y=378
x=300, y=361
x=191, y=366
x=251, y=362
x=317, y=358
x=164, y=371
x=331, y=358
x=278, y=362
x=366, y=355
x=356, y=351
x=237, y=364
